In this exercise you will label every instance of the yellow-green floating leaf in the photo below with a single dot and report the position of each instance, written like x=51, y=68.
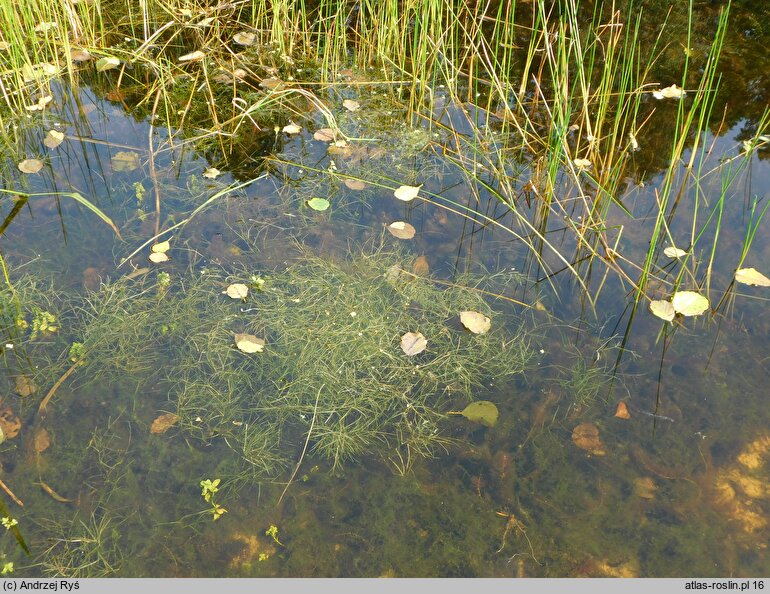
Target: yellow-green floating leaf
x=481, y=411
x=248, y=343
x=663, y=310
x=413, y=343
x=689, y=303
x=476, y=322
x=319, y=204
x=751, y=276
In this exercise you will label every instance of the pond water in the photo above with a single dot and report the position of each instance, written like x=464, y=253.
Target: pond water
x=335, y=450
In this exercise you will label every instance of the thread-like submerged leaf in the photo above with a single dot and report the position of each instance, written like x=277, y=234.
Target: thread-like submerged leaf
x=413, y=343
x=481, y=411
x=689, y=303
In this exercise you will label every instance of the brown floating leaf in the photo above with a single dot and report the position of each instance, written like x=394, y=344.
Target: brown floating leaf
x=270, y=83
x=24, y=386
x=645, y=487
x=80, y=55
x=53, y=139
x=476, y=322
x=248, y=343
x=195, y=56
x=163, y=423
x=621, y=411
x=9, y=423
x=421, y=267
x=237, y=291
x=402, y=230
x=292, y=128
x=351, y=105
x=355, y=184
x=325, y=135
x=41, y=441
x=245, y=38
x=30, y=165
x=413, y=343
x=586, y=437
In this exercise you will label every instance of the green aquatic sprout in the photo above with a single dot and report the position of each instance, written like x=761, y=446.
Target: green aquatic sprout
x=272, y=532
x=43, y=322
x=209, y=489
x=77, y=352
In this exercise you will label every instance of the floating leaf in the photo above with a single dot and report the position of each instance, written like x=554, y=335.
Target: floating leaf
x=163, y=423
x=270, y=83
x=672, y=92
x=40, y=105
x=355, y=184
x=325, y=135
x=292, y=128
x=582, y=163
x=421, y=267
x=248, y=343
x=413, y=343
x=30, y=165
x=481, y=411
x=476, y=322
x=24, y=386
x=237, y=291
x=621, y=411
x=10, y=424
x=245, y=38
x=319, y=204
x=195, y=56
x=674, y=252
x=586, y=437
x=46, y=26
x=161, y=248
x=663, y=310
x=212, y=173
x=158, y=257
x=125, y=161
x=107, y=63
x=351, y=105
x=80, y=55
x=407, y=193
x=53, y=139
x=689, y=303
x=751, y=276
x=645, y=487
x=402, y=230
x=42, y=440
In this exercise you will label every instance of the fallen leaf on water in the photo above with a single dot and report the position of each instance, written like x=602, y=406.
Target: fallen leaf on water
x=161, y=248
x=195, y=56
x=672, y=92
x=237, y=291
x=586, y=437
x=645, y=487
x=30, y=165
x=582, y=163
x=158, y=257
x=245, y=38
x=407, y=193
x=662, y=309
x=401, y=230
x=751, y=276
x=689, y=303
x=53, y=139
x=125, y=161
x=10, y=424
x=270, y=83
x=46, y=26
x=40, y=105
x=80, y=55
x=476, y=322
x=351, y=105
x=24, y=386
x=355, y=184
x=212, y=173
x=107, y=63
x=481, y=411
x=621, y=411
x=292, y=128
x=421, y=267
x=163, y=423
x=413, y=343
x=248, y=343
x=319, y=204
x=674, y=252
x=325, y=135
x=42, y=440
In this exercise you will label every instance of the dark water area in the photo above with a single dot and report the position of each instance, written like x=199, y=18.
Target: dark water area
x=564, y=484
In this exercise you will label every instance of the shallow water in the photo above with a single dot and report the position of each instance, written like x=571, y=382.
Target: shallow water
x=678, y=489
